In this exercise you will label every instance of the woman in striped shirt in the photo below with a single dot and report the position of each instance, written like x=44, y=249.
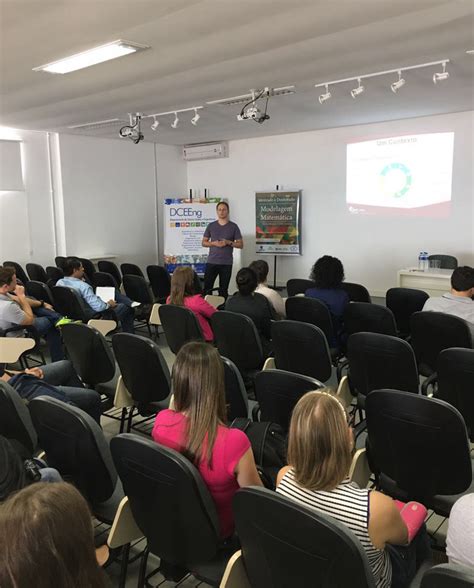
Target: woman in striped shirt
x=319, y=451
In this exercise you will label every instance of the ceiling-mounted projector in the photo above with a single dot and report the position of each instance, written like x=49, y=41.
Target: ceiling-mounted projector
x=133, y=131
x=253, y=113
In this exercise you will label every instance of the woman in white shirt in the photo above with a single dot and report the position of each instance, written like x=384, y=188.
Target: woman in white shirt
x=260, y=267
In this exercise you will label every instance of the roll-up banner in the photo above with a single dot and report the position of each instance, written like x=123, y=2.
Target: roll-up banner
x=185, y=221
x=278, y=223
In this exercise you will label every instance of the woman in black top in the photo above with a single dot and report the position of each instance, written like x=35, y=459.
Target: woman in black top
x=253, y=305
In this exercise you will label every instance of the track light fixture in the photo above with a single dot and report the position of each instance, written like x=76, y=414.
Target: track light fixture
x=174, y=124
x=398, y=84
x=323, y=97
x=395, y=86
x=357, y=91
x=155, y=124
x=440, y=76
x=196, y=117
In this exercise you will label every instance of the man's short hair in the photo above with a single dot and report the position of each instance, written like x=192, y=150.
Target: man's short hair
x=260, y=267
x=226, y=204
x=6, y=275
x=71, y=265
x=462, y=278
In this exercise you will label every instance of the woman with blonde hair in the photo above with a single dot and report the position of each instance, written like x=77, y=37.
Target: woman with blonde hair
x=47, y=539
x=197, y=428
x=183, y=293
x=320, y=445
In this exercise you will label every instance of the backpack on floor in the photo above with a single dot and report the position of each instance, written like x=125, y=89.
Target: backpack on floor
x=269, y=443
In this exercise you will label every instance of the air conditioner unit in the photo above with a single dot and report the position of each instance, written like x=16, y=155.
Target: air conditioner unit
x=205, y=151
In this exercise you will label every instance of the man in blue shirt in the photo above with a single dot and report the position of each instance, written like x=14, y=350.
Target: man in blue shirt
x=74, y=274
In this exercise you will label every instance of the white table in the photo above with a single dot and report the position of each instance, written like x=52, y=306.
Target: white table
x=433, y=282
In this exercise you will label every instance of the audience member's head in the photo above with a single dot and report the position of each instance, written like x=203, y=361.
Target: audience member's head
x=7, y=279
x=46, y=539
x=327, y=272
x=12, y=470
x=73, y=267
x=182, y=284
x=462, y=279
x=246, y=280
x=320, y=441
x=198, y=388
x=260, y=267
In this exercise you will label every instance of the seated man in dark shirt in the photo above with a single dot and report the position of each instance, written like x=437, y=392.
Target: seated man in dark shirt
x=253, y=305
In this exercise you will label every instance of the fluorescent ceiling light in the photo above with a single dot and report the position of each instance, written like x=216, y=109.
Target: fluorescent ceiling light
x=92, y=57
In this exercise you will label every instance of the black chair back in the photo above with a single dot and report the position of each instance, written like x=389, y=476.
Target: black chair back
x=89, y=353
x=160, y=282
x=69, y=303
x=419, y=444
x=19, y=271
x=103, y=279
x=310, y=310
x=54, y=274
x=88, y=266
x=15, y=420
x=235, y=393
x=356, y=292
x=237, y=338
x=455, y=370
x=287, y=544
x=447, y=261
x=169, y=500
x=180, y=326
x=301, y=348
x=403, y=302
x=130, y=269
x=137, y=289
x=36, y=272
x=298, y=286
x=431, y=332
x=277, y=393
x=144, y=370
x=370, y=318
x=109, y=267
x=448, y=576
x=380, y=361
x=40, y=291
x=75, y=445
x=60, y=261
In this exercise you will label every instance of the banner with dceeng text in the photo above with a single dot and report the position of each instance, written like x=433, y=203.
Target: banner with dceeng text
x=278, y=223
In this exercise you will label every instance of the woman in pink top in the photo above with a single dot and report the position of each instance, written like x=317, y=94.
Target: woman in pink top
x=196, y=428
x=183, y=294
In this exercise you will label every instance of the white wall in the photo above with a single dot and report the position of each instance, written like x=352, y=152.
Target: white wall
x=26, y=219
x=372, y=249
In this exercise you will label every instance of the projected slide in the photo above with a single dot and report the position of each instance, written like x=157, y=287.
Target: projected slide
x=408, y=175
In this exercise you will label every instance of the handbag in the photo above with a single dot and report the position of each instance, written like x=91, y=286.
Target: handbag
x=269, y=446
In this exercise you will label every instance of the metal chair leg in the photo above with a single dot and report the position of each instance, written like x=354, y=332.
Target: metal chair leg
x=142, y=573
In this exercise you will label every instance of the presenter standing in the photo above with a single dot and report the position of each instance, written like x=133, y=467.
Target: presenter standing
x=221, y=236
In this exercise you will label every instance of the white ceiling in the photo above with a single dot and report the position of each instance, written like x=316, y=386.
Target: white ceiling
x=208, y=49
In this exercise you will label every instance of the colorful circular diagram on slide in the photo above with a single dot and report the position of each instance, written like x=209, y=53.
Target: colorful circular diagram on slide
x=396, y=180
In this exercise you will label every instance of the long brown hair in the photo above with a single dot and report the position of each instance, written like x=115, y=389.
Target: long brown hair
x=319, y=448
x=182, y=285
x=198, y=388
x=46, y=539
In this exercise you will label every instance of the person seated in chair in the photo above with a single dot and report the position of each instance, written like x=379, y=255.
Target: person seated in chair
x=74, y=278
x=254, y=305
x=47, y=539
x=196, y=427
x=260, y=267
x=459, y=301
x=320, y=443
x=58, y=380
x=184, y=292
x=328, y=274
x=18, y=310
